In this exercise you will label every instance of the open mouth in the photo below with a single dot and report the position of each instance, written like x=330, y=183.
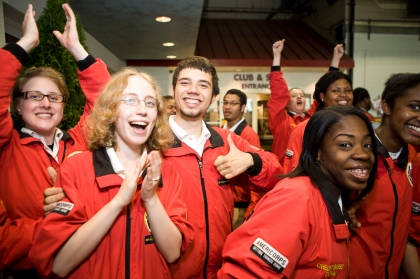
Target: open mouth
x=414, y=128
x=299, y=102
x=360, y=174
x=44, y=115
x=342, y=103
x=138, y=125
x=192, y=101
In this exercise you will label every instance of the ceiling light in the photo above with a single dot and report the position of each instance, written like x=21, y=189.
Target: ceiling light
x=168, y=44
x=163, y=19
x=171, y=56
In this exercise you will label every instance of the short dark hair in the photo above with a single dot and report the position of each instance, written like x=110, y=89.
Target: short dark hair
x=167, y=98
x=325, y=81
x=239, y=93
x=313, y=140
x=359, y=94
x=199, y=63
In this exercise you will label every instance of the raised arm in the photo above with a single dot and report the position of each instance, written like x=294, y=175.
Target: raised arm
x=337, y=54
x=70, y=38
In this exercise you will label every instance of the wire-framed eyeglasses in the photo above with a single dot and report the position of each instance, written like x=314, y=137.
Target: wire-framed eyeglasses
x=150, y=102
x=232, y=104
x=38, y=96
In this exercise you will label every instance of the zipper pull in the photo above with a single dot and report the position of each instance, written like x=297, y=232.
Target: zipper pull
x=200, y=164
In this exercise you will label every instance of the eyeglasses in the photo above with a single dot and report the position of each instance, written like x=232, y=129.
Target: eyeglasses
x=133, y=101
x=232, y=104
x=38, y=96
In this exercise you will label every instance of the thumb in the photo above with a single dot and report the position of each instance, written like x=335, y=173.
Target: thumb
x=57, y=34
x=232, y=146
x=53, y=173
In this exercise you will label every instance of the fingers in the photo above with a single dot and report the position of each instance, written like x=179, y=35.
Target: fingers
x=53, y=173
x=52, y=195
x=154, y=170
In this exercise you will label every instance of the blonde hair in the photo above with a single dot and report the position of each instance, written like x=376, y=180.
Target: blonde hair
x=101, y=123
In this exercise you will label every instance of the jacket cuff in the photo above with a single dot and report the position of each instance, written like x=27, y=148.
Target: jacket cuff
x=333, y=69
x=275, y=68
x=85, y=63
x=257, y=167
x=18, y=52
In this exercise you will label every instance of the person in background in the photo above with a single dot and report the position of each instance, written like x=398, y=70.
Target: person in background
x=169, y=103
x=115, y=221
x=245, y=194
x=333, y=88
x=27, y=156
x=384, y=216
x=362, y=101
x=286, y=108
x=299, y=229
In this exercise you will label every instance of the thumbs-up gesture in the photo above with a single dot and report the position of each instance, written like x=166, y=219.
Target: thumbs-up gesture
x=235, y=162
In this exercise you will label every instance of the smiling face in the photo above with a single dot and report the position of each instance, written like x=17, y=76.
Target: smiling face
x=404, y=119
x=232, y=108
x=297, y=101
x=338, y=93
x=346, y=156
x=193, y=94
x=135, y=123
x=42, y=116
x=170, y=107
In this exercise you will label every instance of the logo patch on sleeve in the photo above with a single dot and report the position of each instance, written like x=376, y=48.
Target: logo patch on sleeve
x=409, y=171
x=289, y=153
x=415, y=208
x=269, y=255
x=63, y=208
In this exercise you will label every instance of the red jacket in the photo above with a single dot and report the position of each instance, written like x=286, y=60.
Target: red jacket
x=414, y=232
x=23, y=166
x=290, y=235
x=243, y=190
x=281, y=122
x=294, y=147
x=209, y=198
x=377, y=248
x=90, y=182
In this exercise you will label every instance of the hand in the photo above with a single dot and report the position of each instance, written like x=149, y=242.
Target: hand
x=235, y=162
x=278, y=47
x=338, y=51
x=30, y=38
x=354, y=224
x=128, y=187
x=151, y=181
x=337, y=54
x=70, y=38
x=52, y=195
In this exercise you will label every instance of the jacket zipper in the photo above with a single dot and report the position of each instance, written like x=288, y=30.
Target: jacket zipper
x=394, y=188
x=127, y=243
x=206, y=215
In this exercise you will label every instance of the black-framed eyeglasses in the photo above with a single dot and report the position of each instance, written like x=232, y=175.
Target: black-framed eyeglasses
x=134, y=101
x=38, y=96
x=232, y=104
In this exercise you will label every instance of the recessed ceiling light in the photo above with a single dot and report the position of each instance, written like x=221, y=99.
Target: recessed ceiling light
x=168, y=44
x=238, y=70
x=163, y=19
x=171, y=56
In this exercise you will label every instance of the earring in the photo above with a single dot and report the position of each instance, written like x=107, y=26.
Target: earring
x=19, y=111
x=322, y=99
